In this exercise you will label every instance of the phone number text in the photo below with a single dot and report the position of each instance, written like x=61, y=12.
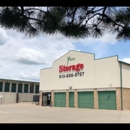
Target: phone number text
x=71, y=75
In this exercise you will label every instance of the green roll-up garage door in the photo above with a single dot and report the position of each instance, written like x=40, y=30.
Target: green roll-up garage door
x=107, y=100
x=60, y=99
x=85, y=100
x=71, y=99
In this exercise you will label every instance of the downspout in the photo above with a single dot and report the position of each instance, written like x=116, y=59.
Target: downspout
x=121, y=86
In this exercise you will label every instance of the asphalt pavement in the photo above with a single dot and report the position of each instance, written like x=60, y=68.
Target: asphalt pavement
x=32, y=113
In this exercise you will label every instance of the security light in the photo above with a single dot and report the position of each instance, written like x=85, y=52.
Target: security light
x=70, y=87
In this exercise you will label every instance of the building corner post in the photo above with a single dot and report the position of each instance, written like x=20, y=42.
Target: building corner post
x=121, y=85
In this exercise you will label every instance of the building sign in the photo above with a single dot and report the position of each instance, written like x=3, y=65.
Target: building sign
x=77, y=67
x=71, y=75
x=69, y=59
x=71, y=68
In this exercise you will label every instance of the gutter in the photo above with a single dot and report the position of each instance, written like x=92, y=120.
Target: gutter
x=121, y=85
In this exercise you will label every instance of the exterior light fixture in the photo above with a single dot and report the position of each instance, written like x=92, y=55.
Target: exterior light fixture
x=70, y=87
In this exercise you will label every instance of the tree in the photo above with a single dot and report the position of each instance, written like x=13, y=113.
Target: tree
x=76, y=22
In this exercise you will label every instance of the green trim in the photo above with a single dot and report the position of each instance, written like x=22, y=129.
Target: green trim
x=107, y=57
x=46, y=68
x=85, y=53
x=80, y=52
x=73, y=51
x=124, y=62
x=66, y=54
x=22, y=81
x=121, y=85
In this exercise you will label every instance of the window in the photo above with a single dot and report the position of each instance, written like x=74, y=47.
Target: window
x=31, y=88
x=20, y=88
x=13, y=89
x=37, y=89
x=25, y=88
x=7, y=87
x=1, y=86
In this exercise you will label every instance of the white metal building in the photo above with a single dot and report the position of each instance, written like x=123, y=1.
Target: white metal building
x=12, y=91
x=79, y=80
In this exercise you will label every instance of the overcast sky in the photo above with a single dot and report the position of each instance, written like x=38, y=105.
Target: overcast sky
x=21, y=57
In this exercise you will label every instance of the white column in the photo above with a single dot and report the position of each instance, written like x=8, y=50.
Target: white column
x=3, y=86
x=16, y=87
x=28, y=88
x=34, y=89
x=10, y=86
x=23, y=88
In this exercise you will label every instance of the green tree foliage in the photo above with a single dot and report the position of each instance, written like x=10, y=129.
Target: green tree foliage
x=75, y=22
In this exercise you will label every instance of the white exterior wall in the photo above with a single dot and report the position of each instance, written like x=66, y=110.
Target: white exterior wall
x=46, y=80
x=11, y=97
x=107, y=72
x=79, y=81
x=7, y=98
x=97, y=73
x=125, y=75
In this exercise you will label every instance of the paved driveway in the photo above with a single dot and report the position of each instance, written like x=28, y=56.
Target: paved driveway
x=31, y=113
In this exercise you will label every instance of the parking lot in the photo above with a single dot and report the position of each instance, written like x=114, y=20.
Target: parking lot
x=32, y=113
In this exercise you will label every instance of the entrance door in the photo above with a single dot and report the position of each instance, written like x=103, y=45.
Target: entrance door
x=44, y=100
x=48, y=99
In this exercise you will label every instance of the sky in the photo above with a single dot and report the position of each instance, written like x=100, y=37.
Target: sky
x=22, y=57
